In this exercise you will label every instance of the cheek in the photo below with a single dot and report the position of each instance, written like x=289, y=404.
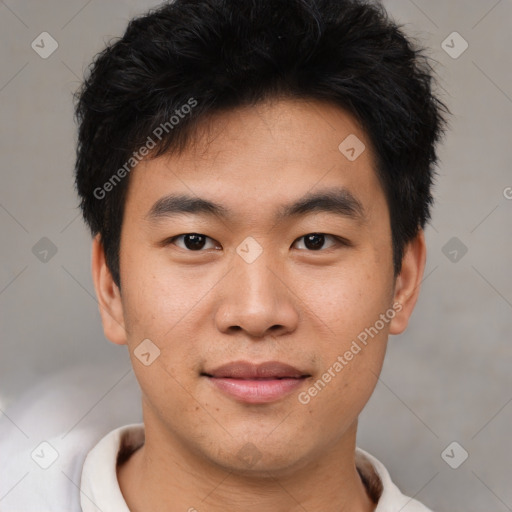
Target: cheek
x=166, y=307
x=348, y=299
x=350, y=335
x=350, y=342
x=159, y=299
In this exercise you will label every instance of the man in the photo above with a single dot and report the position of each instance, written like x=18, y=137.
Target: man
x=256, y=175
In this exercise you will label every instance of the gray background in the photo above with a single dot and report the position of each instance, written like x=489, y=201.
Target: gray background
x=447, y=378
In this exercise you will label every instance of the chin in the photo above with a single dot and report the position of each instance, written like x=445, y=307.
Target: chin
x=262, y=459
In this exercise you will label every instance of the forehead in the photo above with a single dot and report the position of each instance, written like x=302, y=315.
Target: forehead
x=252, y=158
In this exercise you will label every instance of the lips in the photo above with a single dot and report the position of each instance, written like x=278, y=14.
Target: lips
x=249, y=371
x=256, y=383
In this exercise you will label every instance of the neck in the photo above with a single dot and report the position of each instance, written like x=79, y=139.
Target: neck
x=165, y=474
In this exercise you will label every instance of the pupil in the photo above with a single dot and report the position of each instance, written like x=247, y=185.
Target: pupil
x=314, y=241
x=194, y=241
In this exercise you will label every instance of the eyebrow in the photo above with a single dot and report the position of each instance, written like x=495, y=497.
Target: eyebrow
x=339, y=201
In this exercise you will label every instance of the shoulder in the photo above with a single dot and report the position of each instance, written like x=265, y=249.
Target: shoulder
x=390, y=498
x=46, y=434
x=99, y=481
x=42, y=472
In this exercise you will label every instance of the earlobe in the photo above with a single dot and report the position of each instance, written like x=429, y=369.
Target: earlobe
x=108, y=294
x=408, y=282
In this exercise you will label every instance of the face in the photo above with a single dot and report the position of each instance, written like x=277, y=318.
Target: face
x=290, y=264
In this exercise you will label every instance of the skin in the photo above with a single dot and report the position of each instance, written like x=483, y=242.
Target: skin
x=292, y=304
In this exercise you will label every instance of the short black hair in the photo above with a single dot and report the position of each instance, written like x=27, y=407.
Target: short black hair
x=189, y=59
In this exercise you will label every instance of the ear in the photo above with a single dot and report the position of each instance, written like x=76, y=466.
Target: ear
x=109, y=296
x=408, y=282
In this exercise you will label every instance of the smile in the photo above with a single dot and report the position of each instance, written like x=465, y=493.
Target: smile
x=256, y=391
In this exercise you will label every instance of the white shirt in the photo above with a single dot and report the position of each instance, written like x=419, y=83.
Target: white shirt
x=100, y=487
x=83, y=478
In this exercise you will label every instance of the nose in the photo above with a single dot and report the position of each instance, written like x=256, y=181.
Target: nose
x=258, y=299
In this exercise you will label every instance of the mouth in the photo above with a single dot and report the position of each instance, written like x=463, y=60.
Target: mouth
x=256, y=383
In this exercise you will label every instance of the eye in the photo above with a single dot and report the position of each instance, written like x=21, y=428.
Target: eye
x=192, y=241
x=315, y=241
x=197, y=242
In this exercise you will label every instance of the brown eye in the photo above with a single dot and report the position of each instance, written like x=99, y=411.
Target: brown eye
x=316, y=241
x=192, y=241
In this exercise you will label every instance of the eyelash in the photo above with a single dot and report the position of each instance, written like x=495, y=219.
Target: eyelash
x=339, y=240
